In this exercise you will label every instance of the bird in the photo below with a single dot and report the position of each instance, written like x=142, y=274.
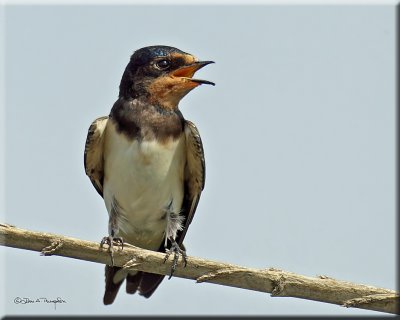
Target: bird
x=147, y=162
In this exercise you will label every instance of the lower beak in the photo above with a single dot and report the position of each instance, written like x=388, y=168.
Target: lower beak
x=188, y=71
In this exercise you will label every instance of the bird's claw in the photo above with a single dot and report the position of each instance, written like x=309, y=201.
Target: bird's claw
x=110, y=241
x=177, y=251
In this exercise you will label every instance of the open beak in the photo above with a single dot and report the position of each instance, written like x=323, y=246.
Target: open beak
x=188, y=71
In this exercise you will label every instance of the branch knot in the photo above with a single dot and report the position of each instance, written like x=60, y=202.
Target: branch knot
x=131, y=264
x=49, y=250
x=221, y=273
x=384, y=298
x=279, y=286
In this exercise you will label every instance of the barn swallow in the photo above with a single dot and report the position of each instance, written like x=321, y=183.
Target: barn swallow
x=147, y=162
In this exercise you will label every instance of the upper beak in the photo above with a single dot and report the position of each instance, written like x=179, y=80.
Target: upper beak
x=189, y=70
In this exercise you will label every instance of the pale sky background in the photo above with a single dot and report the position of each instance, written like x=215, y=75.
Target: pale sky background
x=299, y=139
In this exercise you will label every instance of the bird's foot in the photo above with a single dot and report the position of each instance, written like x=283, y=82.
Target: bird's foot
x=111, y=241
x=177, y=251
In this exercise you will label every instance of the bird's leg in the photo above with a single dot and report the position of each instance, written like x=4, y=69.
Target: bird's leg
x=110, y=241
x=112, y=230
x=177, y=251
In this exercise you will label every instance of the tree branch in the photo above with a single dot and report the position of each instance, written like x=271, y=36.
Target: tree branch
x=277, y=282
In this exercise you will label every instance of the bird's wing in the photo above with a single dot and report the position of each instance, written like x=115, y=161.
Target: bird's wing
x=195, y=172
x=93, y=157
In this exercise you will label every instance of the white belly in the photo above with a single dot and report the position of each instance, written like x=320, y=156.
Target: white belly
x=145, y=178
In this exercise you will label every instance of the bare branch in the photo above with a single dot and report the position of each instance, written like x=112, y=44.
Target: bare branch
x=277, y=282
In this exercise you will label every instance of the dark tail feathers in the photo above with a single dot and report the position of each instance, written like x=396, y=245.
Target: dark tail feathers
x=145, y=283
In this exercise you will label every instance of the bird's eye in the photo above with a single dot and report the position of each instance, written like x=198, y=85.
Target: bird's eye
x=162, y=64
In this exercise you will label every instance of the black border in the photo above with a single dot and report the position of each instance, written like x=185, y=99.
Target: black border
x=397, y=139
x=197, y=317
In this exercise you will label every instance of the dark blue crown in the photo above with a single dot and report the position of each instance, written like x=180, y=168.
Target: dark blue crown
x=146, y=54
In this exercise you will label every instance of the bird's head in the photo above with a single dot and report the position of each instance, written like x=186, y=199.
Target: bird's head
x=161, y=75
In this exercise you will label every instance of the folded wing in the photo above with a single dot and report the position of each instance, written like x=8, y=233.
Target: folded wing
x=93, y=156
